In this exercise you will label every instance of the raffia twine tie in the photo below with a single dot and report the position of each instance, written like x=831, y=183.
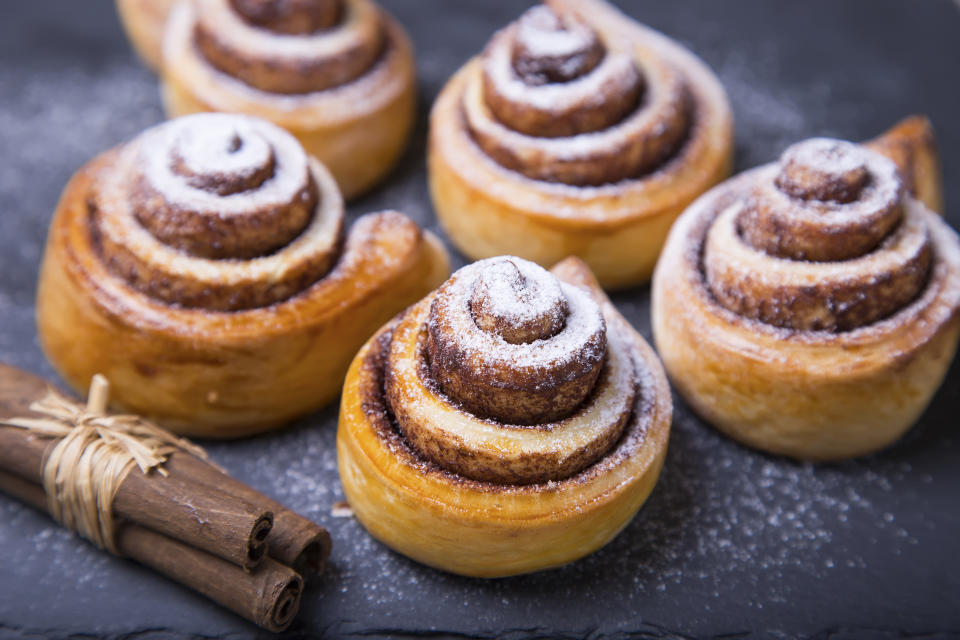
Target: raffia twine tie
x=92, y=457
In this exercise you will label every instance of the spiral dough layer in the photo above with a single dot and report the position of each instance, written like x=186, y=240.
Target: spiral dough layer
x=507, y=375
x=577, y=132
x=219, y=212
x=825, y=241
x=811, y=307
x=292, y=47
x=558, y=103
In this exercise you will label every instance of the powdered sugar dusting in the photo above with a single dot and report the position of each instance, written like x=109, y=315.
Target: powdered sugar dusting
x=217, y=145
x=728, y=253
x=543, y=34
x=202, y=140
x=583, y=322
x=118, y=221
x=883, y=188
x=518, y=292
x=604, y=412
x=831, y=156
x=615, y=74
x=360, y=21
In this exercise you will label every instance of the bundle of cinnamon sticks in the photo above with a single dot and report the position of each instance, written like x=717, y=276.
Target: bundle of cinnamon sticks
x=192, y=522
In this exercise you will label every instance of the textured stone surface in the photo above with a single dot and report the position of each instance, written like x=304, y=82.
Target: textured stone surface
x=731, y=543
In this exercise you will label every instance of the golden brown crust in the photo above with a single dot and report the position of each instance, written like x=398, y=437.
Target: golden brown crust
x=200, y=370
x=857, y=354
x=502, y=181
x=912, y=145
x=415, y=498
x=347, y=92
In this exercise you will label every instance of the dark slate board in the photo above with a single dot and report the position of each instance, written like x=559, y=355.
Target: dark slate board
x=732, y=543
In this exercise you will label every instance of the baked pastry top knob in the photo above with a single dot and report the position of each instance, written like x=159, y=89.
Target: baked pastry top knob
x=824, y=242
x=295, y=17
x=338, y=74
x=289, y=48
x=531, y=357
x=810, y=307
x=205, y=268
x=205, y=210
x=512, y=418
x=550, y=78
x=524, y=349
x=576, y=131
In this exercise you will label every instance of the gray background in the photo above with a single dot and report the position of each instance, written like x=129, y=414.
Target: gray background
x=731, y=544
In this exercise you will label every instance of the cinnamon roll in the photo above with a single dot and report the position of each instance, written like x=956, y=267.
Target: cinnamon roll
x=809, y=307
x=577, y=132
x=508, y=422
x=338, y=74
x=143, y=21
x=204, y=268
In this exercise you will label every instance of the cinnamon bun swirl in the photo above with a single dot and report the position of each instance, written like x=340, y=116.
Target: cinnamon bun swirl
x=577, y=131
x=338, y=74
x=508, y=422
x=810, y=307
x=205, y=269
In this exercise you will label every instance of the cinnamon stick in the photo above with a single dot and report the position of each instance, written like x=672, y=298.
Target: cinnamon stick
x=268, y=596
x=293, y=540
x=202, y=516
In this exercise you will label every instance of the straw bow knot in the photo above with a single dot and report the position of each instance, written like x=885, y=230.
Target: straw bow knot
x=92, y=456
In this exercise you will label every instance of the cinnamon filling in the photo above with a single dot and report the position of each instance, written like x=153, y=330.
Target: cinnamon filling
x=557, y=103
x=547, y=48
x=824, y=170
x=508, y=342
x=825, y=241
x=292, y=17
x=378, y=411
x=518, y=308
x=219, y=212
x=220, y=161
x=830, y=200
x=290, y=46
x=541, y=405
